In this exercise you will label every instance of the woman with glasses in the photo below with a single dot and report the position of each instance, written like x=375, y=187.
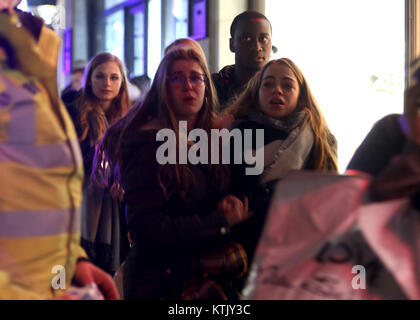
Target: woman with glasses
x=172, y=209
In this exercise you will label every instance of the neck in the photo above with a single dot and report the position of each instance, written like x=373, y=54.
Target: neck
x=105, y=104
x=191, y=120
x=242, y=76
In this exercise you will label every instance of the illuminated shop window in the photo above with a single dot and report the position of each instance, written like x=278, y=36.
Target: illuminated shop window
x=111, y=3
x=139, y=40
x=353, y=55
x=114, y=34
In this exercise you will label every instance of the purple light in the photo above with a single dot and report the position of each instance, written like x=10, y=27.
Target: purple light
x=199, y=25
x=67, y=51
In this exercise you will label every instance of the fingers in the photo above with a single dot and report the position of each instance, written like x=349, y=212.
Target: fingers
x=66, y=297
x=108, y=288
x=9, y=4
x=87, y=272
x=246, y=206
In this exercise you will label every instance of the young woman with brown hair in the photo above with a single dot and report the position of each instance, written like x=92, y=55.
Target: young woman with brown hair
x=172, y=208
x=104, y=101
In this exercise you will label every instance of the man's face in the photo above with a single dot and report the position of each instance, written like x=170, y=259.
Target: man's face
x=251, y=43
x=77, y=80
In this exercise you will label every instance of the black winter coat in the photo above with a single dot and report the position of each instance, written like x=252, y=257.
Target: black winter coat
x=166, y=232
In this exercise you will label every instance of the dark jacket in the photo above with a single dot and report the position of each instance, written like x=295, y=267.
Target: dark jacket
x=226, y=86
x=166, y=232
x=70, y=99
x=382, y=143
x=392, y=160
x=248, y=232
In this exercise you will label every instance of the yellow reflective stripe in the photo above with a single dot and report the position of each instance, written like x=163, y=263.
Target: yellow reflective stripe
x=29, y=261
x=24, y=188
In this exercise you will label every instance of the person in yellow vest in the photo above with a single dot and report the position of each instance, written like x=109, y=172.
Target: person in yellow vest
x=42, y=171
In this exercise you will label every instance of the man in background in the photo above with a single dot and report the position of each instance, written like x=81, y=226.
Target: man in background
x=251, y=43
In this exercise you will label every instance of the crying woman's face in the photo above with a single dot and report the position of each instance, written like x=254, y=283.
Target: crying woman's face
x=279, y=91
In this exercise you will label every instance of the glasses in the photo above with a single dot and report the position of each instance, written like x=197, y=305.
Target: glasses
x=180, y=80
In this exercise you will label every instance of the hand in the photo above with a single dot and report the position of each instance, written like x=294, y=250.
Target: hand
x=234, y=209
x=412, y=112
x=8, y=5
x=66, y=297
x=86, y=272
x=117, y=192
x=225, y=121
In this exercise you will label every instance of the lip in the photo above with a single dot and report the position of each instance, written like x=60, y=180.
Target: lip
x=277, y=102
x=106, y=91
x=188, y=99
x=258, y=59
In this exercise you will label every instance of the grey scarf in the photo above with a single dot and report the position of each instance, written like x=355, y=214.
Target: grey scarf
x=286, y=125
x=282, y=156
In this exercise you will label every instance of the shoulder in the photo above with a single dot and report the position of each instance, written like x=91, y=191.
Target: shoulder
x=389, y=123
x=225, y=74
x=145, y=139
x=138, y=156
x=388, y=129
x=153, y=124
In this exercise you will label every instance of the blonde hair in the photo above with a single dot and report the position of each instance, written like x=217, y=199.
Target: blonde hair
x=93, y=119
x=324, y=155
x=186, y=43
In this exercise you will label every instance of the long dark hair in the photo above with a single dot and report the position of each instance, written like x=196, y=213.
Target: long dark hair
x=93, y=119
x=175, y=178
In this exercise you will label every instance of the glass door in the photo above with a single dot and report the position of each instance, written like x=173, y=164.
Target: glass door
x=353, y=55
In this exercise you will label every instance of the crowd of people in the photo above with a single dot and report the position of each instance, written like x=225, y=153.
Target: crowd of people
x=82, y=187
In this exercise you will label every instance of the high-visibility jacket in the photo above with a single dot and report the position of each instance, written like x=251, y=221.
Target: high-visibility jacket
x=41, y=171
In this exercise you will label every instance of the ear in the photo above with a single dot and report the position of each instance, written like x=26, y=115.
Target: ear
x=231, y=45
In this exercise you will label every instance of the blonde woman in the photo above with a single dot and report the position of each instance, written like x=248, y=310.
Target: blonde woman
x=296, y=136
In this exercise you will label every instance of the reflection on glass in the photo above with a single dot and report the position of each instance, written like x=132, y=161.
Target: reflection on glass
x=352, y=57
x=139, y=39
x=111, y=3
x=180, y=18
x=114, y=34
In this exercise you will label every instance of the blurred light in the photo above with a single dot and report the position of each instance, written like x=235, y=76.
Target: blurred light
x=23, y=6
x=47, y=13
x=117, y=25
x=154, y=43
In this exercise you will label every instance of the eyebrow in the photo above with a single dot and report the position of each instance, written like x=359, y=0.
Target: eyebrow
x=112, y=74
x=288, y=78
x=182, y=72
x=284, y=78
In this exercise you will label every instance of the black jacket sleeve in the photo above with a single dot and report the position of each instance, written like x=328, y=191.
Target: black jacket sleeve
x=400, y=179
x=382, y=143
x=154, y=223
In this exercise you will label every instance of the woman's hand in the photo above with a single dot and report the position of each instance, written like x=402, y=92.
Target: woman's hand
x=87, y=273
x=8, y=5
x=234, y=209
x=225, y=121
